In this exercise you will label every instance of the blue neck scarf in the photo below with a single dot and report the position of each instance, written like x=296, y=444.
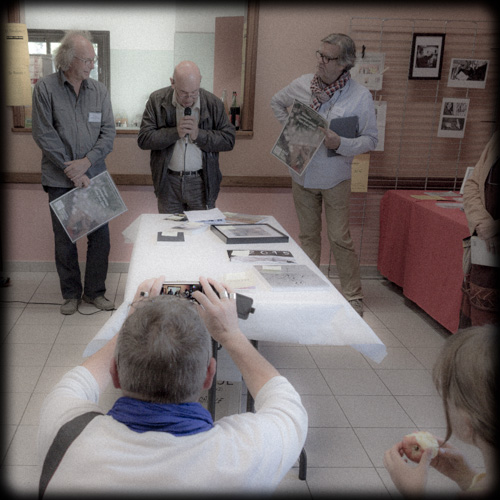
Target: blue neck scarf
x=181, y=419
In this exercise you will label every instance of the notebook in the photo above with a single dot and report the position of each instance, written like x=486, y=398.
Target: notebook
x=345, y=127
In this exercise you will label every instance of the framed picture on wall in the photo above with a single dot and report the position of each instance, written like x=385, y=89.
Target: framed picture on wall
x=426, y=56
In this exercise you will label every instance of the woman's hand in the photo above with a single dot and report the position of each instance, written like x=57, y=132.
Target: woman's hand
x=408, y=479
x=451, y=462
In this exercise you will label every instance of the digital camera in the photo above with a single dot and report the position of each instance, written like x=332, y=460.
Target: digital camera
x=185, y=290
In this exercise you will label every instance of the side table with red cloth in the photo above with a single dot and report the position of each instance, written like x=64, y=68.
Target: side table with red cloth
x=420, y=249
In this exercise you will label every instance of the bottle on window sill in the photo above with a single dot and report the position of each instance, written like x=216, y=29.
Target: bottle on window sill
x=235, y=112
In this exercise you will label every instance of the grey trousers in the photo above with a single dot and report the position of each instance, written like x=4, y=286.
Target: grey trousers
x=182, y=193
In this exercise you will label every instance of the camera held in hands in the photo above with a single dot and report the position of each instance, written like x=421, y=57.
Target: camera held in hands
x=185, y=290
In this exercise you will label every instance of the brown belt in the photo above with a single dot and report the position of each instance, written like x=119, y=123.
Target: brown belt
x=195, y=173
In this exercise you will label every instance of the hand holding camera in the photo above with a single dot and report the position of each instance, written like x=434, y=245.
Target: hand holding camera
x=217, y=310
x=187, y=291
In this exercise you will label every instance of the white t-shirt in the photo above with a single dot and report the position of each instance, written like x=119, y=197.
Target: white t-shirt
x=249, y=452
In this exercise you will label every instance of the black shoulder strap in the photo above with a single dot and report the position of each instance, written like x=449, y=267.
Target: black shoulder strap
x=66, y=435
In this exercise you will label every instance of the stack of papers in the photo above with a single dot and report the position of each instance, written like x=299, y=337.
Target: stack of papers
x=213, y=216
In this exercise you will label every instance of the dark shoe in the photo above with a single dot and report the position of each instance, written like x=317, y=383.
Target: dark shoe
x=357, y=305
x=70, y=306
x=100, y=302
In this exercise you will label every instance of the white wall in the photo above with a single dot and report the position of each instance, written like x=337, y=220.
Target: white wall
x=146, y=41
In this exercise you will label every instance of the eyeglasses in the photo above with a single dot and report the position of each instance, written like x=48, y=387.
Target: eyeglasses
x=183, y=94
x=87, y=62
x=325, y=59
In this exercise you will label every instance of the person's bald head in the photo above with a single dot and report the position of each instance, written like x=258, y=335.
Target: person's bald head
x=186, y=83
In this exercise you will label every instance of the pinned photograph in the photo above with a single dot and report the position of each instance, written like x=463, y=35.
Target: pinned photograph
x=426, y=56
x=468, y=73
x=453, y=118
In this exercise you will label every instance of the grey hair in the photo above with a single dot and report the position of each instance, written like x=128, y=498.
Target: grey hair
x=347, y=48
x=163, y=351
x=66, y=51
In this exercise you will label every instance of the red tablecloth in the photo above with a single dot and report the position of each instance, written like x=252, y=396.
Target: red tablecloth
x=420, y=249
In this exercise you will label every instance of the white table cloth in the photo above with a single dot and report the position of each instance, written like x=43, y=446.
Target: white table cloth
x=316, y=316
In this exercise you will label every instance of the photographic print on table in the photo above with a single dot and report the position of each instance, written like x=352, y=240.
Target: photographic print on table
x=426, y=56
x=248, y=233
x=468, y=73
x=453, y=118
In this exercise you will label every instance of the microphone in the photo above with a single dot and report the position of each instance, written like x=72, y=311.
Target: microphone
x=187, y=112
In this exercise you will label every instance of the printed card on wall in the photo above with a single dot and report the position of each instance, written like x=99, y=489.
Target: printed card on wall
x=359, y=173
x=381, y=113
x=16, y=65
x=368, y=70
x=453, y=118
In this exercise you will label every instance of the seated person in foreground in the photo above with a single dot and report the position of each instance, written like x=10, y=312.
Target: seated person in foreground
x=157, y=437
x=466, y=376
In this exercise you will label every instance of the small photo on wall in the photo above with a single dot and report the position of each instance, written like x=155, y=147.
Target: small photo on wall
x=453, y=118
x=468, y=73
x=426, y=56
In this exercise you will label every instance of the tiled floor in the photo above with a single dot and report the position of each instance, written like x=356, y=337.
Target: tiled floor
x=357, y=408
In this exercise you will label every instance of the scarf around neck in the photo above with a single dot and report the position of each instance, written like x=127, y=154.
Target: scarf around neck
x=322, y=92
x=181, y=419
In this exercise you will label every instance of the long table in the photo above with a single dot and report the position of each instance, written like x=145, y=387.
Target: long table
x=316, y=316
x=420, y=249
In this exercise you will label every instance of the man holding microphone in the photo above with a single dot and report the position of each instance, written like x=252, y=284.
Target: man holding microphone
x=185, y=127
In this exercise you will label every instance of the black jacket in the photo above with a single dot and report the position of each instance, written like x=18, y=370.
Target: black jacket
x=158, y=133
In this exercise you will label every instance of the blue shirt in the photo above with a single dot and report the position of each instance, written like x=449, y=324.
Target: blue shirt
x=325, y=172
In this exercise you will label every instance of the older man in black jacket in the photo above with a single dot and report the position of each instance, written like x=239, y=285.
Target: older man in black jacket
x=185, y=127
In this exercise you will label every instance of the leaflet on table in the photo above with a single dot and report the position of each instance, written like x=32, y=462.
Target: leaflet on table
x=441, y=193
x=451, y=205
x=211, y=216
x=424, y=197
x=246, y=281
x=283, y=256
x=83, y=210
x=300, y=137
x=291, y=277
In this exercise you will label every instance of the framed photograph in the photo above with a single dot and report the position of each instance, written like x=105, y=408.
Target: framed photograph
x=248, y=233
x=426, y=56
x=468, y=73
x=453, y=118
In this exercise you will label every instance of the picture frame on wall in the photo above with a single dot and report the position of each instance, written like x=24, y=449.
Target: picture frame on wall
x=426, y=60
x=468, y=73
